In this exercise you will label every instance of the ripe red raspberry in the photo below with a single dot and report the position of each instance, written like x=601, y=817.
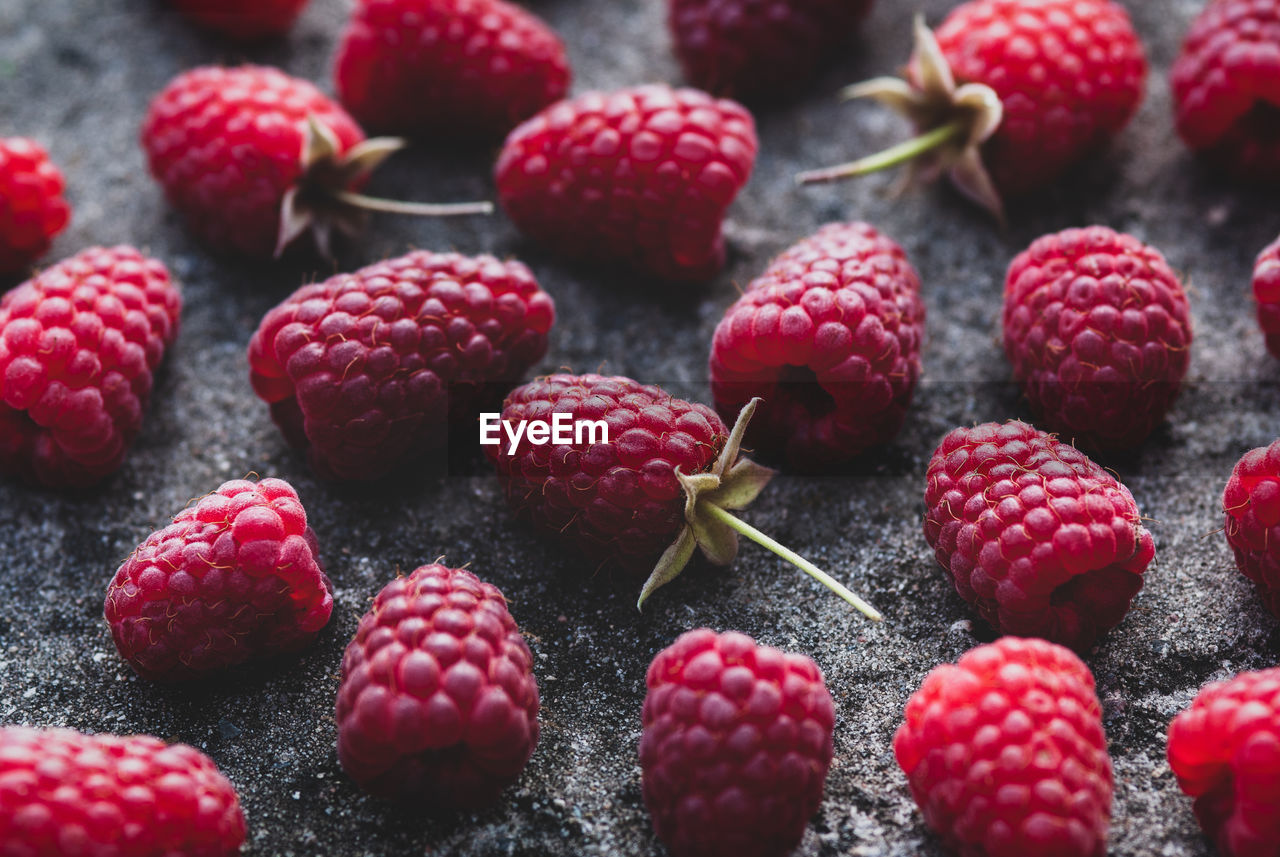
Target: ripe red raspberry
x=1098, y=330
x=639, y=177
x=1042, y=541
x=1226, y=87
x=648, y=478
x=1266, y=293
x=448, y=69
x=1005, y=753
x=1008, y=93
x=235, y=576
x=79, y=344
x=1251, y=502
x=368, y=370
x=736, y=746
x=32, y=208
x=1225, y=752
x=829, y=336
x=759, y=49
x=438, y=702
x=242, y=19
x=62, y=793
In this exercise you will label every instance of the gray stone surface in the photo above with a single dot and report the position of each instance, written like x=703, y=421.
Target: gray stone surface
x=77, y=75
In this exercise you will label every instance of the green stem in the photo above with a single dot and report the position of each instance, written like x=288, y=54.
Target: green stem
x=743, y=528
x=891, y=157
x=423, y=209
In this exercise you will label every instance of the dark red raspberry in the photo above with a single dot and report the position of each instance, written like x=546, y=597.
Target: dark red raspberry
x=368, y=370
x=235, y=576
x=639, y=177
x=1266, y=293
x=1098, y=330
x=829, y=336
x=64, y=793
x=1225, y=752
x=1038, y=538
x=759, y=49
x=1011, y=93
x=438, y=703
x=448, y=69
x=242, y=19
x=32, y=208
x=1251, y=502
x=1005, y=753
x=79, y=344
x=736, y=746
x=648, y=478
x=1226, y=87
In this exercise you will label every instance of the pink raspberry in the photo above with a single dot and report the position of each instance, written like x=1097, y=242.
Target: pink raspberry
x=32, y=207
x=1266, y=294
x=1251, y=502
x=235, y=576
x=736, y=745
x=438, y=703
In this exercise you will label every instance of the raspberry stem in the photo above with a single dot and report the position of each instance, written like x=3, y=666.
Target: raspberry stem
x=422, y=209
x=893, y=156
x=743, y=528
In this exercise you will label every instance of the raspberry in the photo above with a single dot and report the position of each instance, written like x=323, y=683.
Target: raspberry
x=639, y=177
x=736, y=746
x=1225, y=752
x=1038, y=538
x=32, y=208
x=759, y=49
x=367, y=370
x=235, y=576
x=448, y=69
x=1266, y=293
x=1098, y=330
x=1008, y=94
x=1005, y=753
x=829, y=336
x=438, y=702
x=65, y=793
x=1226, y=88
x=1251, y=502
x=242, y=19
x=79, y=344
x=652, y=481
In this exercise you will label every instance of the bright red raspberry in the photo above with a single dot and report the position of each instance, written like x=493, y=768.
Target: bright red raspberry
x=759, y=49
x=229, y=145
x=1225, y=752
x=829, y=336
x=618, y=501
x=736, y=746
x=1038, y=538
x=448, y=69
x=235, y=576
x=438, y=703
x=79, y=344
x=32, y=207
x=1251, y=502
x=1266, y=294
x=63, y=793
x=367, y=371
x=1098, y=330
x=242, y=19
x=1005, y=753
x=1226, y=87
x=639, y=177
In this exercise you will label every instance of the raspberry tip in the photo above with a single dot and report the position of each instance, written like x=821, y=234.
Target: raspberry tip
x=732, y=483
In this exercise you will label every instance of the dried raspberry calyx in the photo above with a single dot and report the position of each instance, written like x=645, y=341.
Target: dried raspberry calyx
x=953, y=123
x=732, y=483
x=323, y=201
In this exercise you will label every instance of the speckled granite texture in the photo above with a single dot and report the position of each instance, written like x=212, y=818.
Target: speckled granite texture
x=77, y=74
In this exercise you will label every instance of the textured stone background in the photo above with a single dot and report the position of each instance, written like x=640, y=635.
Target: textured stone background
x=77, y=75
